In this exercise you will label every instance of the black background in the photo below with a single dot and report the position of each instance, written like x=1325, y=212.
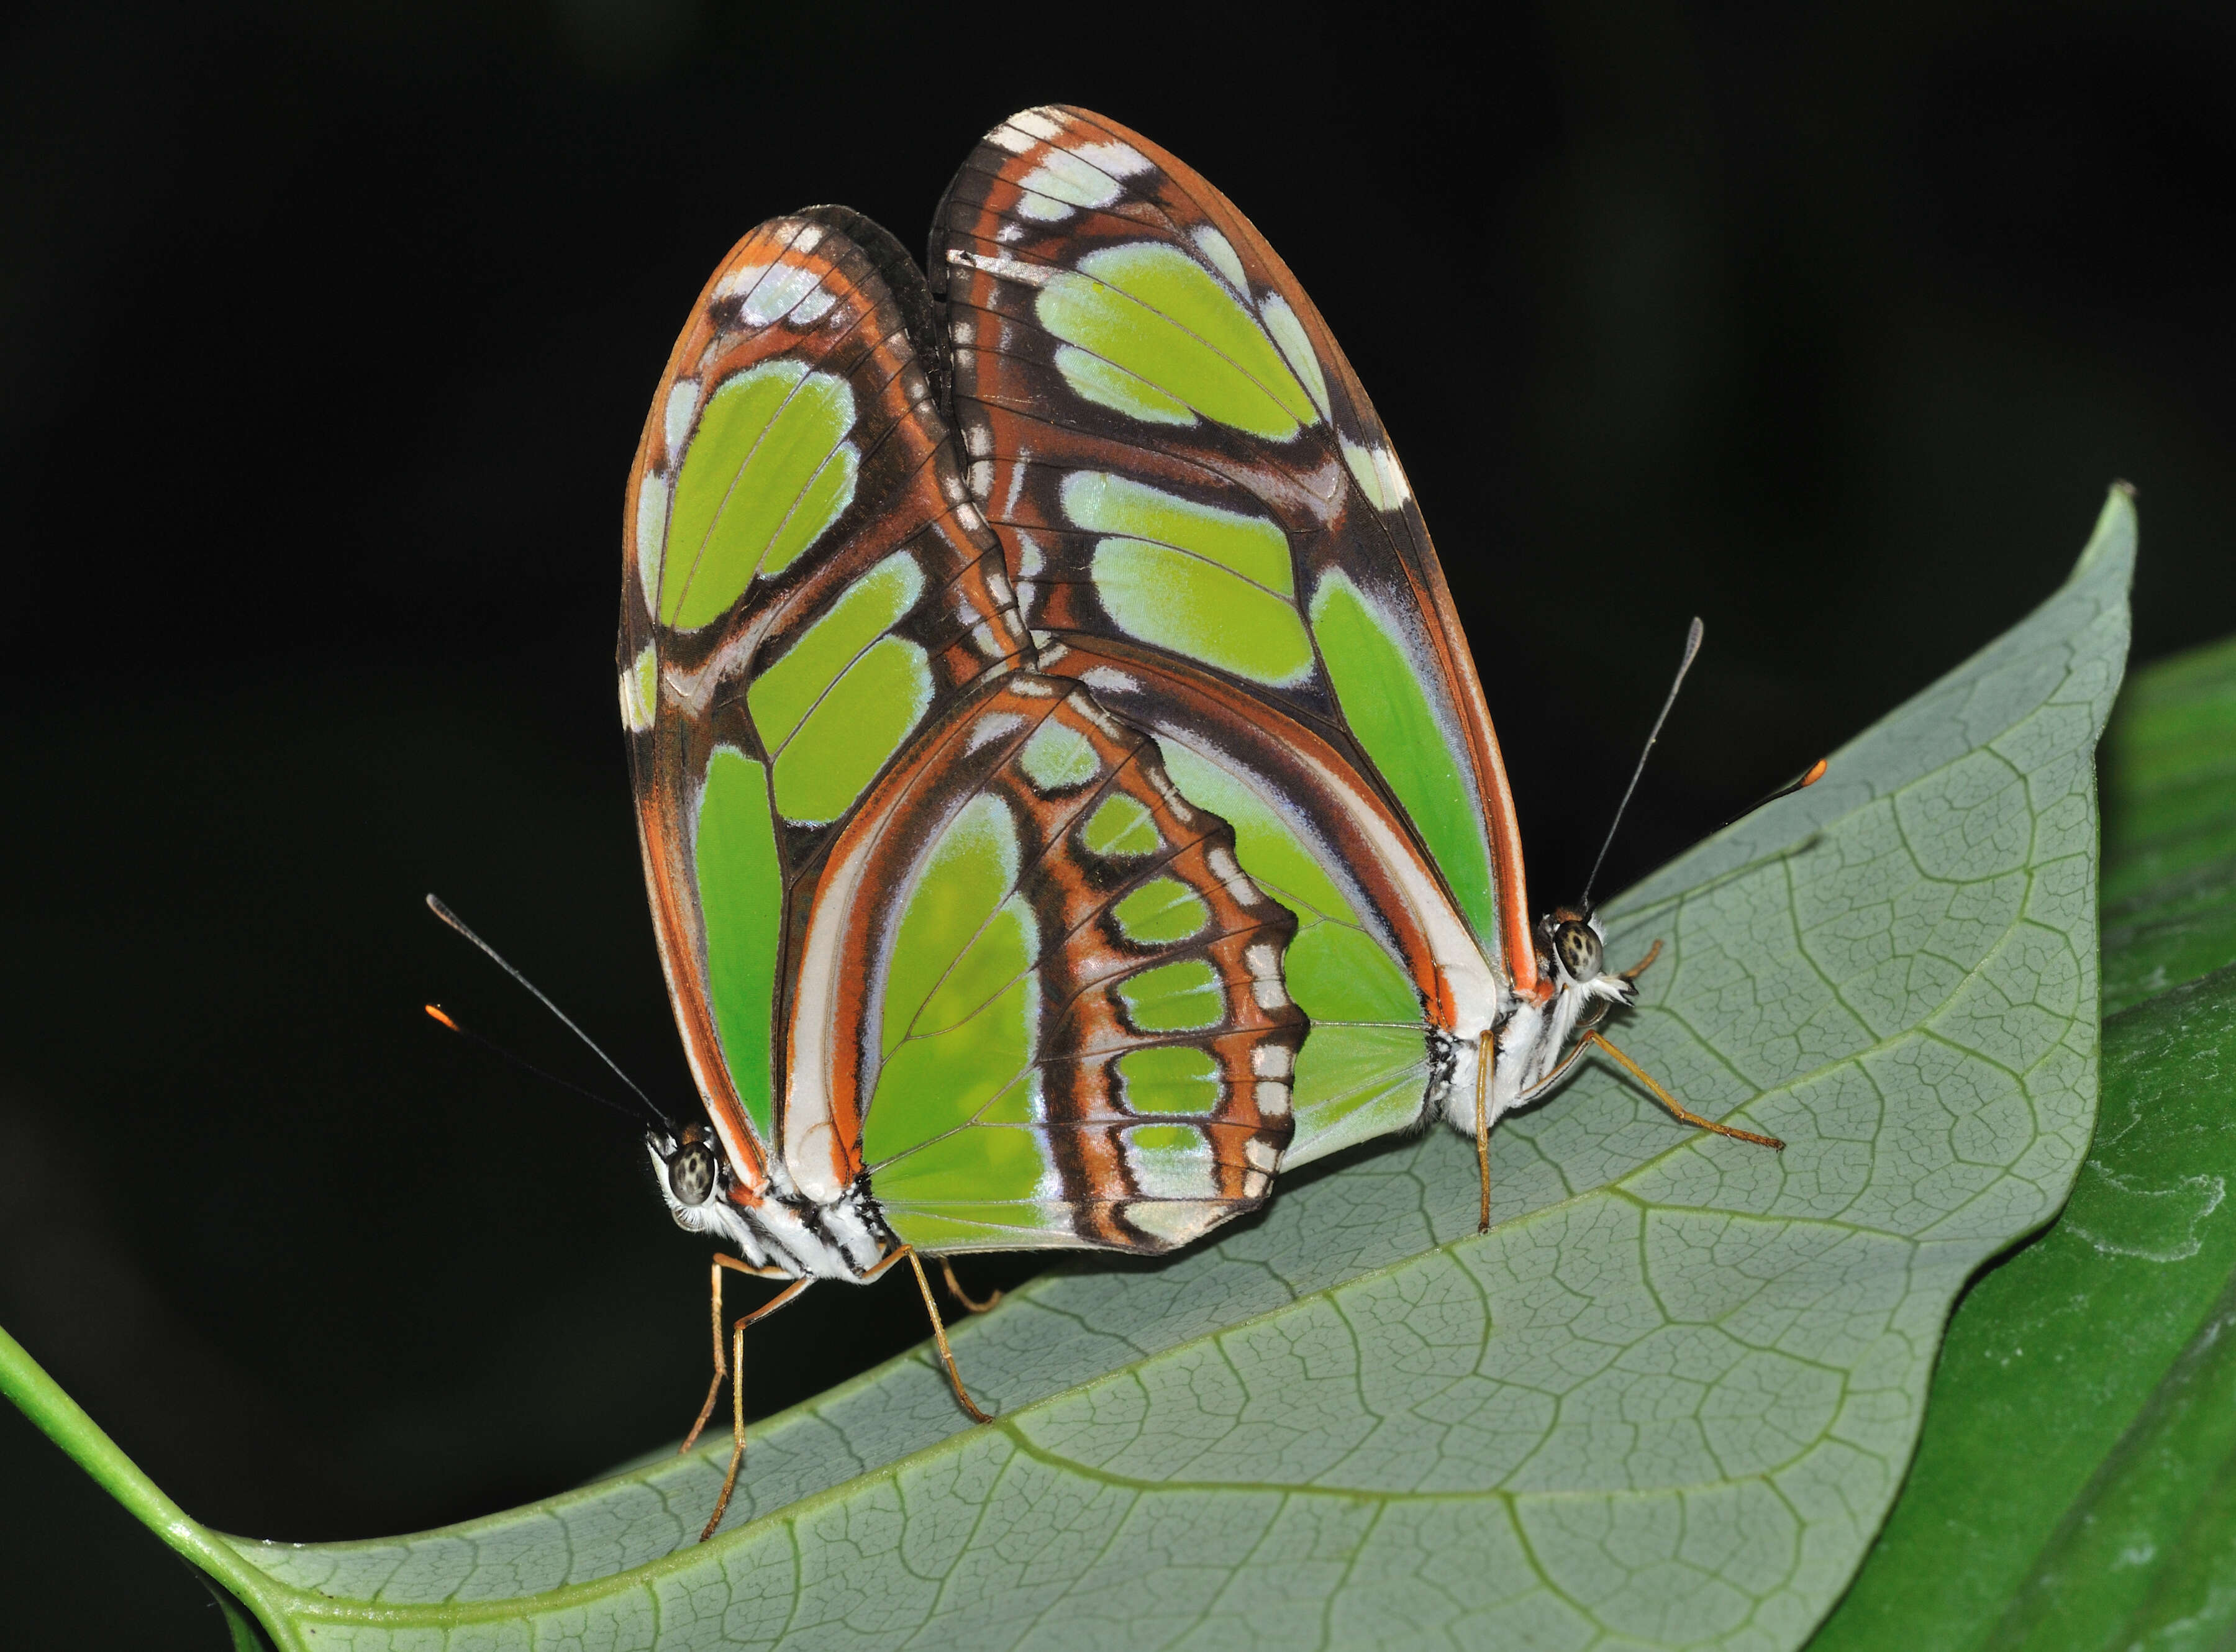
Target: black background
x=325, y=334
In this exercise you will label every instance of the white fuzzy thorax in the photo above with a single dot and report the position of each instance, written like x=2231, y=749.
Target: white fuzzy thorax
x=843, y=1240
x=1530, y=1040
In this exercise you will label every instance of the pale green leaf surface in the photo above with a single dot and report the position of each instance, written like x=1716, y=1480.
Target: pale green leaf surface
x=1665, y=1401
x=2074, y=1486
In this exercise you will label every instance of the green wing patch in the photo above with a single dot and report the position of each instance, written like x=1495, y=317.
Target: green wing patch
x=741, y=903
x=1157, y=316
x=1175, y=455
x=769, y=469
x=1070, y=955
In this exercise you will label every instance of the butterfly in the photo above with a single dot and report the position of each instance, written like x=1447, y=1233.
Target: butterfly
x=1066, y=793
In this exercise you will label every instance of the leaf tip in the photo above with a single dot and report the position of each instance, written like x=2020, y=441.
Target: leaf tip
x=2113, y=538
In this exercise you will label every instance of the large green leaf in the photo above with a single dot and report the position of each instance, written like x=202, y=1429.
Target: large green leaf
x=2169, y=898
x=2076, y=1485
x=1666, y=1400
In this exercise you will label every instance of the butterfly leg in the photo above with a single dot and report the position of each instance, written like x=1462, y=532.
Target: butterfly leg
x=721, y=1365
x=1671, y=1101
x=938, y=1328
x=737, y=1397
x=955, y=1289
x=1482, y=1127
x=1644, y=964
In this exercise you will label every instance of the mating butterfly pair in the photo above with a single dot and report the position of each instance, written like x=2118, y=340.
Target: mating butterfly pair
x=1066, y=795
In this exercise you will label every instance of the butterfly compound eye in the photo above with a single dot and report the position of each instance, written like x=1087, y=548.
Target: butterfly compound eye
x=1580, y=954
x=691, y=1173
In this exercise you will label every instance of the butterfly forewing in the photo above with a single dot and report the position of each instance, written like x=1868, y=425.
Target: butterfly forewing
x=1176, y=455
x=935, y=925
x=804, y=585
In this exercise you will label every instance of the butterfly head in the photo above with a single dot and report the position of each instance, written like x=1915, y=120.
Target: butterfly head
x=1572, y=954
x=691, y=1175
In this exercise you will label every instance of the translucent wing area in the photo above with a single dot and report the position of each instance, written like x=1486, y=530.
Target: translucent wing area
x=1176, y=455
x=927, y=916
x=804, y=587
x=1040, y=993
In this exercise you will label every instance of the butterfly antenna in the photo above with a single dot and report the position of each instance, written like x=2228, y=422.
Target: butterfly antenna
x=441, y=1016
x=1810, y=776
x=435, y=906
x=1692, y=648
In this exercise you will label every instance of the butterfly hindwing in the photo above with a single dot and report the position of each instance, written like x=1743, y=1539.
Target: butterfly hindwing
x=1381, y=964
x=1176, y=455
x=1040, y=993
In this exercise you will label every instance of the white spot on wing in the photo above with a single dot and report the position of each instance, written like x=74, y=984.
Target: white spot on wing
x=642, y=674
x=741, y=279
x=996, y=725
x=1009, y=269
x=1220, y=251
x=1177, y=1222
x=651, y=537
x=777, y=292
x=1120, y=160
x=1229, y=870
x=1109, y=680
x=676, y=420
x=1379, y=474
x=1272, y=1061
x=1040, y=123
x=1067, y=179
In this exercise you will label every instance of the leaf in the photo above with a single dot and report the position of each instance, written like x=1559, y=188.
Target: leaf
x=2169, y=897
x=1666, y=1400
x=2073, y=1485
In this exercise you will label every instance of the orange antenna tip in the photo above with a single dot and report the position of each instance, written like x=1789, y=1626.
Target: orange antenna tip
x=435, y=1011
x=1814, y=773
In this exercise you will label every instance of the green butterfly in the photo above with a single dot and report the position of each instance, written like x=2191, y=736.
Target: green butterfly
x=1066, y=793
